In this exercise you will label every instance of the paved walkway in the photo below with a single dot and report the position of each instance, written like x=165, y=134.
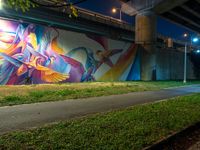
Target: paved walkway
x=34, y=115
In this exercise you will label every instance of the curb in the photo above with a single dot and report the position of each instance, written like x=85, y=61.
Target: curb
x=173, y=137
x=182, y=86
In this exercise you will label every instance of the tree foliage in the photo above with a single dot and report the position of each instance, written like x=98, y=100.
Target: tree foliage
x=23, y=5
x=26, y=5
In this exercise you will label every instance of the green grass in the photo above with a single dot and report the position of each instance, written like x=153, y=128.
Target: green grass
x=15, y=95
x=132, y=128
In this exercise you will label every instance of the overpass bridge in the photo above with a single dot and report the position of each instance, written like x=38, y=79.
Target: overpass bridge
x=94, y=23
x=182, y=12
x=87, y=22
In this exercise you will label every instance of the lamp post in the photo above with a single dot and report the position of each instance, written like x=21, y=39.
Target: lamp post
x=185, y=64
x=114, y=10
x=192, y=40
x=185, y=60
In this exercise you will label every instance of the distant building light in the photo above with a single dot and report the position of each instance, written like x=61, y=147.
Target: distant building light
x=185, y=35
x=195, y=40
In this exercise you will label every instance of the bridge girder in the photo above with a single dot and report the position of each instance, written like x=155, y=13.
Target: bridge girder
x=182, y=12
x=187, y=14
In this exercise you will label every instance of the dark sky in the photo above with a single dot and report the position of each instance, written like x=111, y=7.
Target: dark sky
x=104, y=7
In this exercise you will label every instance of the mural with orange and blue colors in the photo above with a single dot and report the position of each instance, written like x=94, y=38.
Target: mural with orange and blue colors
x=37, y=54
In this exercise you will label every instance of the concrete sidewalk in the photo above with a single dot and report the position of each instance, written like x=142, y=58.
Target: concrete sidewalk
x=33, y=115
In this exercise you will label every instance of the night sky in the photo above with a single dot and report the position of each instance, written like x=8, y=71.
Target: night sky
x=163, y=26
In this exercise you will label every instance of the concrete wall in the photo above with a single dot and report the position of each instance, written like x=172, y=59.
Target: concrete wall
x=170, y=65
x=35, y=54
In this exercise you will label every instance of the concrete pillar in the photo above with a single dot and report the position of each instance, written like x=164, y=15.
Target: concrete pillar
x=145, y=35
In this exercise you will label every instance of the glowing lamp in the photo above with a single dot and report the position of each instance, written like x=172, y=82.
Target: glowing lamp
x=195, y=40
x=114, y=10
x=185, y=35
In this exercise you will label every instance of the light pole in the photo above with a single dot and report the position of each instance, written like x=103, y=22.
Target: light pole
x=185, y=64
x=114, y=10
x=185, y=60
x=192, y=40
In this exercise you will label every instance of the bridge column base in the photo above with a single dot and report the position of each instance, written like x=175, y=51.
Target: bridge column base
x=145, y=35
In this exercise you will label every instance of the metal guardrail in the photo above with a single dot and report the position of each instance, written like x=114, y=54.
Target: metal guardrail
x=181, y=44
x=104, y=19
x=97, y=17
x=174, y=40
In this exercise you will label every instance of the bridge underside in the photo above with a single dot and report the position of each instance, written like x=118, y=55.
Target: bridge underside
x=182, y=12
x=187, y=14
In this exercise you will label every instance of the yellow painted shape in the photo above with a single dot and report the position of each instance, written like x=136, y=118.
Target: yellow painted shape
x=33, y=40
x=55, y=47
x=120, y=67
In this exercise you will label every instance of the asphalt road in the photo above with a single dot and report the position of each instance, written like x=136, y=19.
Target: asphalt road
x=27, y=116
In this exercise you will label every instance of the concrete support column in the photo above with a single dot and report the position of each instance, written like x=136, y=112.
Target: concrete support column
x=145, y=35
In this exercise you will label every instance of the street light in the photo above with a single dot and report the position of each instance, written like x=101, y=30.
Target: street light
x=114, y=10
x=192, y=40
x=195, y=39
x=185, y=35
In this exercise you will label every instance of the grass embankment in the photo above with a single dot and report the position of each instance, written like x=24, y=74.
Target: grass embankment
x=24, y=94
x=132, y=128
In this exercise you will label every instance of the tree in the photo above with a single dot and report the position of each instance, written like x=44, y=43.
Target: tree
x=26, y=5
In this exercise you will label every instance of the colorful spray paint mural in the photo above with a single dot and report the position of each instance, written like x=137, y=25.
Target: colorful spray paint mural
x=36, y=54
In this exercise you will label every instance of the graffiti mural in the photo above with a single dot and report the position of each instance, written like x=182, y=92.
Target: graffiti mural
x=34, y=54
